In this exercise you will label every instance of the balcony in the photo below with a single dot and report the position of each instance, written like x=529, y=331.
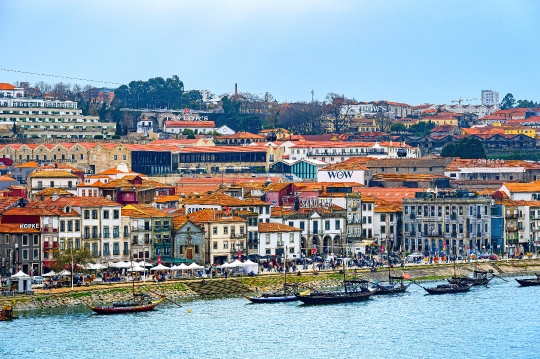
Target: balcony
x=235, y=250
x=238, y=235
x=49, y=245
x=280, y=243
x=511, y=216
x=136, y=242
x=162, y=229
x=141, y=228
x=413, y=216
x=49, y=229
x=513, y=229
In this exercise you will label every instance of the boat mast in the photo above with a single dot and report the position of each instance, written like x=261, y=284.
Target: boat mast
x=132, y=277
x=285, y=268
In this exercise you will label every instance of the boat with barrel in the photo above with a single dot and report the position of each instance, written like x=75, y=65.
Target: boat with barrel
x=394, y=285
x=354, y=290
x=7, y=312
x=529, y=282
x=450, y=288
x=140, y=303
x=479, y=277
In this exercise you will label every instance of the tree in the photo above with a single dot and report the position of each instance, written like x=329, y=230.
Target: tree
x=76, y=257
x=187, y=132
x=398, y=127
x=383, y=121
x=422, y=128
x=508, y=102
x=526, y=104
x=301, y=117
x=338, y=110
x=465, y=148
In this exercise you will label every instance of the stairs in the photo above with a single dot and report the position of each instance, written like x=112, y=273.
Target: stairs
x=497, y=268
x=215, y=287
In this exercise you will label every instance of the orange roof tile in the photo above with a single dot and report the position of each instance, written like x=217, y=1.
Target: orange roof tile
x=276, y=227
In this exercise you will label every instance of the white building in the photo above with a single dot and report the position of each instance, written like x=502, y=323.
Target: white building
x=347, y=171
x=490, y=98
x=225, y=130
x=200, y=127
x=276, y=238
x=144, y=126
x=10, y=91
x=40, y=180
x=479, y=110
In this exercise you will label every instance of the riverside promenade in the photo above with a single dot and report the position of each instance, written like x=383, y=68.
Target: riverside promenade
x=219, y=286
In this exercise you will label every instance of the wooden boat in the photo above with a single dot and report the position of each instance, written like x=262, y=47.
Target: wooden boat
x=450, y=288
x=479, y=277
x=287, y=294
x=355, y=290
x=395, y=285
x=529, y=282
x=127, y=307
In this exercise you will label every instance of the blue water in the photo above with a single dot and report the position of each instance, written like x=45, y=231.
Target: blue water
x=497, y=322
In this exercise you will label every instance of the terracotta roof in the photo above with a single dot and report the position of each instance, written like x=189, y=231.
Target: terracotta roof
x=51, y=190
x=52, y=174
x=243, y=135
x=409, y=162
x=459, y=163
x=210, y=215
x=143, y=210
x=214, y=149
x=164, y=199
x=523, y=187
x=351, y=164
x=224, y=200
x=83, y=202
x=276, y=227
x=415, y=177
x=6, y=86
x=289, y=210
x=30, y=164
x=393, y=195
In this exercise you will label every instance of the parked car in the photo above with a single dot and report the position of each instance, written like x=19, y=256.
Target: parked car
x=37, y=279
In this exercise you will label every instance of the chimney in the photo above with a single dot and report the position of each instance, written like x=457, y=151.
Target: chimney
x=235, y=90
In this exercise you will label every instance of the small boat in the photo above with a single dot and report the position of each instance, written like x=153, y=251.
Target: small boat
x=7, y=312
x=479, y=277
x=288, y=294
x=394, y=285
x=450, y=288
x=529, y=282
x=144, y=304
x=355, y=290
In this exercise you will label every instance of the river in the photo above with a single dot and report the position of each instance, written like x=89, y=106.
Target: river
x=496, y=322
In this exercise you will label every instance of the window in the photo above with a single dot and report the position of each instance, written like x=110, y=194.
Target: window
x=126, y=248
x=291, y=224
x=116, y=214
x=62, y=226
x=86, y=232
x=25, y=240
x=126, y=231
x=52, y=184
x=70, y=184
x=327, y=225
x=106, y=232
x=86, y=214
x=115, y=157
x=214, y=246
x=267, y=238
x=70, y=226
x=36, y=240
x=36, y=254
x=214, y=231
x=225, y=230
x=338, y=224
x=106, y=214
x=40, y=185
x=106, y=249
x=94, y=214
x=268, y=252
x=77, y=225
x=225, y=245
x=77, y=243
x=116, y=232
x=116, y=248
x=25, y=254
x=291, y=237
x=302, y=225
x=94, y=232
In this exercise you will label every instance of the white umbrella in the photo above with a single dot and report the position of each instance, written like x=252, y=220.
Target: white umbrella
x=226, y=265
x=20, y=274
x=50, y=274
x=194, y=266
x=64, y=272
x=160, y=267
x=136, y=269
x=145, y=264
x=237, y=263
x=182, y=266
x=122, y=265
x=99, y=266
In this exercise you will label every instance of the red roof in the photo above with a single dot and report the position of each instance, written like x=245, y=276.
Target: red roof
x=6, y=86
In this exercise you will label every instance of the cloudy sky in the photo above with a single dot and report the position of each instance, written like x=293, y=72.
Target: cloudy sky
x=412, y=51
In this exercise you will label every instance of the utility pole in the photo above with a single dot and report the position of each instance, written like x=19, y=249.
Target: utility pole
x=312, y=94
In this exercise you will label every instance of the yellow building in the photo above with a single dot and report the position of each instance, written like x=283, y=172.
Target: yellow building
x=439, y=121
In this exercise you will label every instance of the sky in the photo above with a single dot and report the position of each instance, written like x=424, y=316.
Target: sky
x=415, y=51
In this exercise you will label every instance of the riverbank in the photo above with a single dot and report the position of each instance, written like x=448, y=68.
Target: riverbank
x=186, y=289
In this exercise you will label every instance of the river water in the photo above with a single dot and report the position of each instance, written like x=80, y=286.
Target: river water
x=501, y=321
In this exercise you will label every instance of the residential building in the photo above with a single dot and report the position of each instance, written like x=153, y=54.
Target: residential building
x=63, y=180
x=277, y=239
x=437, y=223
x=490, y=98
x=20, y=249
x=188, y=241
